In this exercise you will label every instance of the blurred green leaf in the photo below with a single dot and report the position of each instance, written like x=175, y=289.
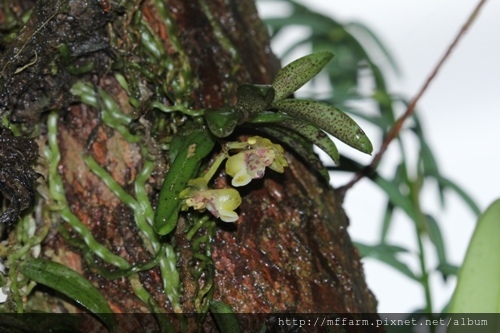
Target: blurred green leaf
x=71, y=284
x=478, y=287
x=386, y=221
x=362, y=29
x=436, y=237
x=387, y=254
x=447, y=183
x=392, y=189
x=448, y=269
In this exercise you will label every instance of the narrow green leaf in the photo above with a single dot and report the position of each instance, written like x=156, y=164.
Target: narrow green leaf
x=436, y=237
x=363, y=29
x=396, y=197
x=478, y=284
x=299, y=72
x=443, y=181
x=387, y=254
x=71, y=284
x=316, y=136
x=191, y=149
x=328, y=118
x=386, y=222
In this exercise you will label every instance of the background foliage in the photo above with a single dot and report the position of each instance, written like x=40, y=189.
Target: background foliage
x=355, y=79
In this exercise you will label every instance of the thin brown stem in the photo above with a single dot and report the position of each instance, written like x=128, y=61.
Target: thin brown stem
x=398, y=125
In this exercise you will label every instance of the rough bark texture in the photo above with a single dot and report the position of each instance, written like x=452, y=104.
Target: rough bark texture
x=288, y=252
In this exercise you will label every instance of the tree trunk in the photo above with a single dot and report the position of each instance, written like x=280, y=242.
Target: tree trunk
x=289, y=251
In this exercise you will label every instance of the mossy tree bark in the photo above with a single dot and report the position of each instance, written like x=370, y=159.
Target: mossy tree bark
x=288, y=252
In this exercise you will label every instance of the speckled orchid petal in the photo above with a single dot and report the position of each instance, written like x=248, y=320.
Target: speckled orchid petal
x=220, y=202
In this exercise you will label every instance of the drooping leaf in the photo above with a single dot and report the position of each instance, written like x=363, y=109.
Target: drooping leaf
x=316, y=136
x=70, y=283
x=328, y=118
x=399, y=175
x=436, y=237
x=447, y=183
x=299, y=72
x=361, y=28
x=396, y=197
x=478, y=284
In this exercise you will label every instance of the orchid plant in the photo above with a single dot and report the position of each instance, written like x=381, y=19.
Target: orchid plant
x=268, y=108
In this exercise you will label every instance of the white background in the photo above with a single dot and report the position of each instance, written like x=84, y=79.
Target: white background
x=460, y=115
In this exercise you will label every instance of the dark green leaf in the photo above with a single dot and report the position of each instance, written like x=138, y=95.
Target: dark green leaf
x=224, y=317
x=328, y=118
x=299, y=72
x=434, y=232
x=316, y=136
x=223, y=121
x=71, y=284
x=252, y=99
x=386, y=222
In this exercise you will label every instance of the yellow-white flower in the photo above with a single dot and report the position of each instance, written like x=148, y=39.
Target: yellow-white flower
x=220, y=202
x=251, y=163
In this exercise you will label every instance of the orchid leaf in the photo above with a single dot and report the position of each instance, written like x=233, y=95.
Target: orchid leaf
x=224, y=317
x=253, y=99
x=70, y=283
x=316, y=136
x=328, y=118
x=299, y=72
x=223, y=121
